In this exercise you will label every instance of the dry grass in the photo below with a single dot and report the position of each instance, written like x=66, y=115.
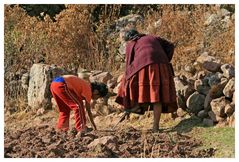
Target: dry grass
x=78, y=37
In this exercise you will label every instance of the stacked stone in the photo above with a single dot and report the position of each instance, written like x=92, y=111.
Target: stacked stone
x=207, y=90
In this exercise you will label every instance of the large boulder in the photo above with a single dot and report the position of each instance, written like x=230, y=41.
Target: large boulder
x=211, y=66
x=218, y=106
x=204, y=57
x=195, y=102
x=101, y=77
x=41, y=75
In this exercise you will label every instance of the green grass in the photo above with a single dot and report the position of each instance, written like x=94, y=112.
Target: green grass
x=222, y=139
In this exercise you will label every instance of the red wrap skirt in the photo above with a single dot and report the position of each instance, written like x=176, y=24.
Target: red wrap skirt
x=154, y=83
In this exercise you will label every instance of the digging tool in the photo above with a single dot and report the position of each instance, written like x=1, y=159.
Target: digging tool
x=137, y=109
x=126, y=113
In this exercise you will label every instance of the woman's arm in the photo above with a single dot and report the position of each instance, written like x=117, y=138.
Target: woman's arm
x=88, y=109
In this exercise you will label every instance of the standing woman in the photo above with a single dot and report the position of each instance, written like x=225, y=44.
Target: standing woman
x=148, y=79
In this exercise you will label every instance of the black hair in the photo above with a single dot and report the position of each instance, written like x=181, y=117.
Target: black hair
x=130, y=34
x=101, y=87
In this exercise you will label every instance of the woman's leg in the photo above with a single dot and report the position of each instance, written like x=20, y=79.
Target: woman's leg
x=66, y=102
x=64, y=111
x=157, y=107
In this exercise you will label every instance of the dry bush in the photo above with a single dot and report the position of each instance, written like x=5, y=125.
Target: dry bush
x=184, y=25
x=84, y=35
x=68, y=42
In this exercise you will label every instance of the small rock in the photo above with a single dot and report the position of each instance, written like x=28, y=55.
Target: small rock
x=181, y=101
x=134, y=117
x=189, y=68
x=231, y=120
x=111, y=83
x=214, y=117
x=120, y=78
x=207, y=102
x=208, y=122
x=116, y=89
x=215, y=79
x=229, y=110
x=181, y=112
x=202, y=114
x=229, y=88
x=40, y=111
x=228, y=70
x=233, y=97
x=53, y=103
x=211, y=19
x=105, y=141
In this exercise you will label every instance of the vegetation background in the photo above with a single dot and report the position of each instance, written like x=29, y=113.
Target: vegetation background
x=78, y=35
x=72, y=36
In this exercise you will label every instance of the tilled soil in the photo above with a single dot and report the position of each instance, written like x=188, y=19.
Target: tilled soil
x=44, y=142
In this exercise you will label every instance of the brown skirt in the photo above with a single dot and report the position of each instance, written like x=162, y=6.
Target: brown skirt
x=152, y=84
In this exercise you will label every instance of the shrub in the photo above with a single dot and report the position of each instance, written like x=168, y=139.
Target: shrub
x=78, y=36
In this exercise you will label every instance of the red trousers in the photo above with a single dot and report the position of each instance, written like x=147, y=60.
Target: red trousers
x=66, y=101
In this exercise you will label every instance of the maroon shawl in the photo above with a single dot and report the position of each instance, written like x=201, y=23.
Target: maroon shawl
x=146, y=50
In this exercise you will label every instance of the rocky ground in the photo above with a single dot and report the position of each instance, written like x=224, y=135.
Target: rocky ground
x=204, y=79
x=35, y=136
x=207, y=94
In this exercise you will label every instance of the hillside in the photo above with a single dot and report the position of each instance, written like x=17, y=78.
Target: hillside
x=43, y=41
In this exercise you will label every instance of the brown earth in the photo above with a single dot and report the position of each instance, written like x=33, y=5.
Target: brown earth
x=35, y=137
